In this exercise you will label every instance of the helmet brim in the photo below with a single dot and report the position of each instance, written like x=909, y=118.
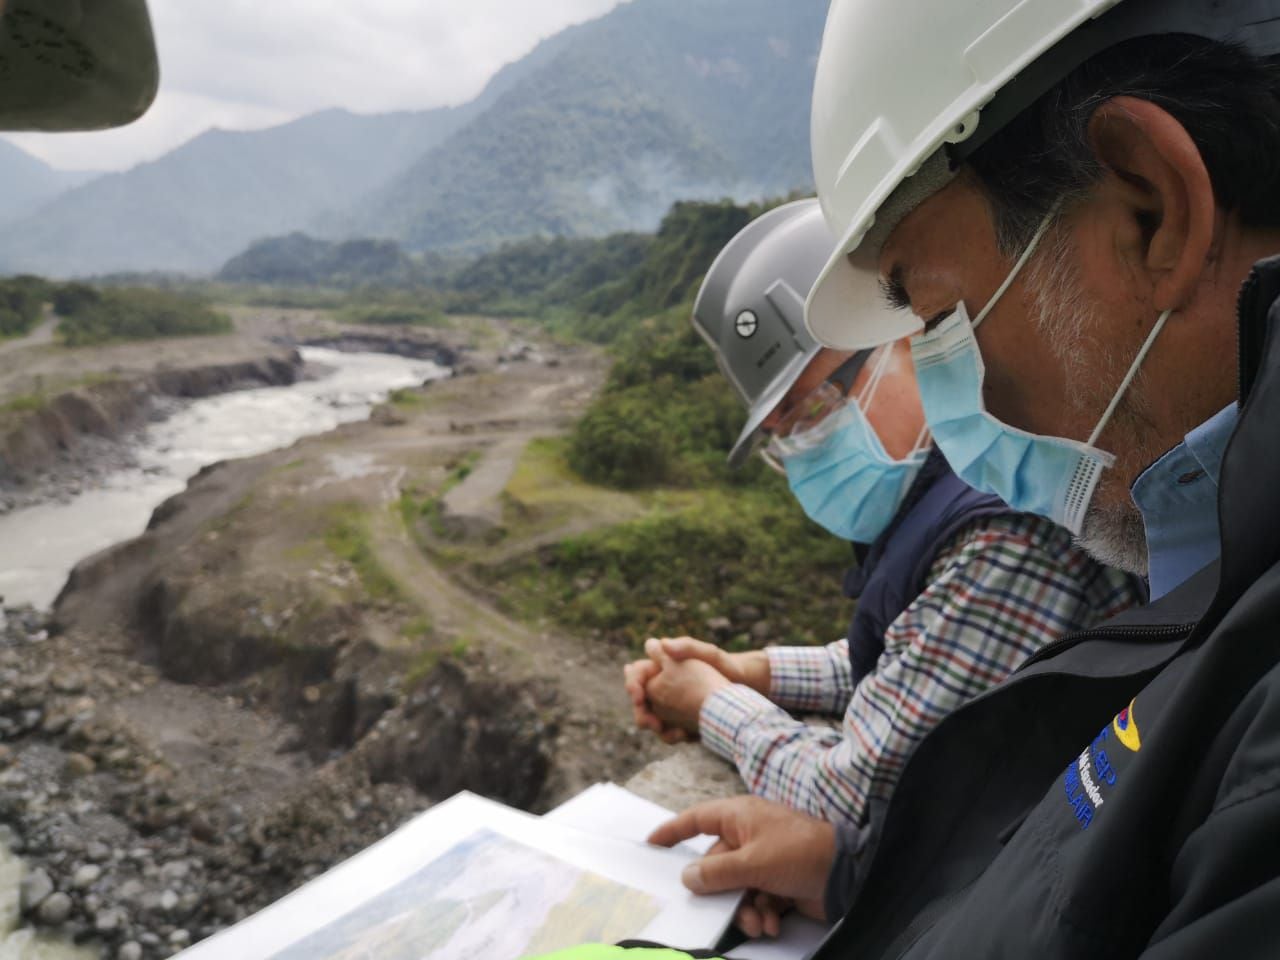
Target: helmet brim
x=846, y=309
x=761, y=409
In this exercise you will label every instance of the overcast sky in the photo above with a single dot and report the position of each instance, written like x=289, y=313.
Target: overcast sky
x=245, y=64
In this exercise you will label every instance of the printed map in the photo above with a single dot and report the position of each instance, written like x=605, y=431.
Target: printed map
x=487, y=897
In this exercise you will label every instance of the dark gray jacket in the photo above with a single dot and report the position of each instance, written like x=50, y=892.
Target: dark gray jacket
x=1120, y=795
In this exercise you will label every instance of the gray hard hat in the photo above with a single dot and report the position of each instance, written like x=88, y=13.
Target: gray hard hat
x=751, y=308
x=75, y=64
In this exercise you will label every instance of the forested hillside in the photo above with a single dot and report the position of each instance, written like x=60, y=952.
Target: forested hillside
x=662, y=99
x=729, y=540
x=599, y=130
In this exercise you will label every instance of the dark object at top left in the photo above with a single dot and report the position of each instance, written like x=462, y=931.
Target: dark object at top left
x=75, y=64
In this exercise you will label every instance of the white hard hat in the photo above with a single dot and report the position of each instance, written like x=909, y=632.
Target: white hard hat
x=906, y=89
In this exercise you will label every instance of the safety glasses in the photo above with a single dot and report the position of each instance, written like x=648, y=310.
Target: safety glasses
x=807, y=423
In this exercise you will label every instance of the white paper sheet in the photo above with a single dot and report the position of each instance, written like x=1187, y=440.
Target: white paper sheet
x=800, y=936
x=317, y=920
x=609, y=810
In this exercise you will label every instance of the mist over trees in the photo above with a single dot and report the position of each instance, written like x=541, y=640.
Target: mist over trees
x=597, y=132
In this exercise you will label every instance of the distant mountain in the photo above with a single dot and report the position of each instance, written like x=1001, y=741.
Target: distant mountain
x=613, y=120
x=600, y=129
x=207, y=200
x=26, y=183
x=300, y=260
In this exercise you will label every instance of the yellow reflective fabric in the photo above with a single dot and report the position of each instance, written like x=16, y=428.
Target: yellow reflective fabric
x=600, y=952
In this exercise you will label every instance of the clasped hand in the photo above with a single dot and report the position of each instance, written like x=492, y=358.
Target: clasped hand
x=669, y=687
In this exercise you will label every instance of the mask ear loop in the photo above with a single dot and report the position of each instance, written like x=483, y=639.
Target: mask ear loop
x=923, y=440
x=864, y=399
x=1018, y=267
x=1129, y=377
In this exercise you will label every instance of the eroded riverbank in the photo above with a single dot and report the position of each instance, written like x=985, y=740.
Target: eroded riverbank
x=43, y=542
x=286, y=664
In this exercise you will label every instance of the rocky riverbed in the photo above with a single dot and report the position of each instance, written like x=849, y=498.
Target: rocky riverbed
x=119, y=855
x=281, y=669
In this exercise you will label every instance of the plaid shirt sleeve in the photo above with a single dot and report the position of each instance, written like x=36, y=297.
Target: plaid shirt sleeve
x=1002, y=589
x=811, y=679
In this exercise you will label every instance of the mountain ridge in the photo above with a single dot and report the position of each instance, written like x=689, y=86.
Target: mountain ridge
x=599, y=129
x=27, y=182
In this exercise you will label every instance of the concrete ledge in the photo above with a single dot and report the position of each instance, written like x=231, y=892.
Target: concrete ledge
x=690, y=775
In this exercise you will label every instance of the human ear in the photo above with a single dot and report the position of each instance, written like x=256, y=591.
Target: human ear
x=1159, y=174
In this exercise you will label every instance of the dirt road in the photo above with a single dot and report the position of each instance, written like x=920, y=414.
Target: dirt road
x=292, y=659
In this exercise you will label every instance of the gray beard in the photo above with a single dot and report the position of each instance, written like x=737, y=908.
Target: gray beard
x=1066, y=315
x=1115, y=536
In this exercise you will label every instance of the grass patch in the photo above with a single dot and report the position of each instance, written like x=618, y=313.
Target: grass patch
x=416, y=510
x=695, y=556
x=347, y=538
x=428, y=660
x=47, y=390
x=24, y=403
x=405, y=398
x=395, y=315
x=544, y=493
x=419, y=628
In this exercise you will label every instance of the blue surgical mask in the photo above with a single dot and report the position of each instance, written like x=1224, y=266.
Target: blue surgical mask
x=1050, y=476
x=844, y=478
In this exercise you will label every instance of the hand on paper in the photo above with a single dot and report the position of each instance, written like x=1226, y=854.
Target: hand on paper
x=781, y=856
x=667, y=690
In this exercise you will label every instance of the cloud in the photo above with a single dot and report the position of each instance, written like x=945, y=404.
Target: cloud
x=245, y=64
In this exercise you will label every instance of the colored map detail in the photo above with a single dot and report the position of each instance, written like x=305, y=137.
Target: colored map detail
x=487, y=897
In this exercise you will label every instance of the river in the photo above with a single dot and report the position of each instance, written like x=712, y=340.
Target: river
x=40, y=545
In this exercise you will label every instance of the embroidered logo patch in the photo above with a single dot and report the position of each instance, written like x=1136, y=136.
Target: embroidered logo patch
x=1126, y=728
x=1091, y=777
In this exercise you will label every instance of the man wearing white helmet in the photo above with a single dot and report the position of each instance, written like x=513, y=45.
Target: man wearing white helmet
x=955, y=589
x=1094, y=187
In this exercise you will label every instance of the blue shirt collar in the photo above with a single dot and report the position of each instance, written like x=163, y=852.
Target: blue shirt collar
x=1178, y=498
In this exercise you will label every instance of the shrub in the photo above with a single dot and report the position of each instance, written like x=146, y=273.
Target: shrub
x=91, y=316
x=668, y=573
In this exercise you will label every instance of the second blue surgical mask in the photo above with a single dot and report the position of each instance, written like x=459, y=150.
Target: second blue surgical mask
x=843, y=477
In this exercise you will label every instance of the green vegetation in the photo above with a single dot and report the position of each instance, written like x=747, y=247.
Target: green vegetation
x=708, y=540
x=24, y=403
x=93, y=316
x=692, y=558
x=598, y=289
x=298, y=260
x=420, y=628
x=430, y=509
x=404, y=397
x=593, y=289
x=46, y=390
x=545, y=494
x=21, y=303
x=347, y=538
x=430, y=658
x=388, y=315
x=666, y=417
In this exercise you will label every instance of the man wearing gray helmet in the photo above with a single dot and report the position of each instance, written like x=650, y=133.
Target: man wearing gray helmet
x=955, y=590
